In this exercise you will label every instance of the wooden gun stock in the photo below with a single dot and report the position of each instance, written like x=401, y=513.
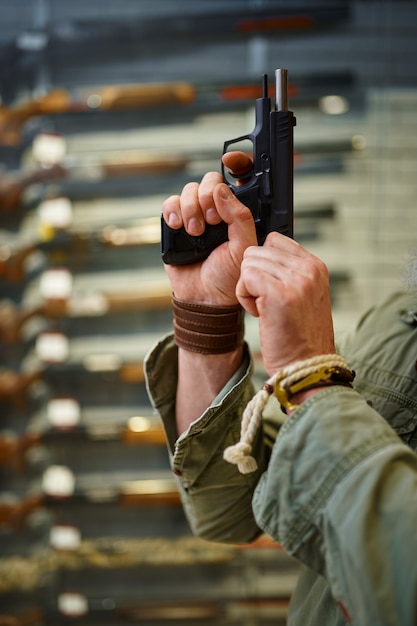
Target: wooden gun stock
x=136, y=493
x=13, y=319
x=12, y=264
x=122, y=97
x=13, y=515
x=119, y=165
x=108, y=98
x=14, y=448
x=12, y=186
x=34, y=617
x=145, y=232
x=14, y=385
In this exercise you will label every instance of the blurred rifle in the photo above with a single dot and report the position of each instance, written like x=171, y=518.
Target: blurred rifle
x=14, y=448
x=117, y=165
x=12, y=185
x=144, y=232
x=306, y=89
x=14, y=385
x=150, y=296
x=109, y=98
x=134, y=163
x=153, y=491
x=33, y=617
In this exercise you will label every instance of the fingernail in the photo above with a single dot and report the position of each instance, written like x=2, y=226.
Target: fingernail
x=195, y=226
x=173, y=220
x=211, y=215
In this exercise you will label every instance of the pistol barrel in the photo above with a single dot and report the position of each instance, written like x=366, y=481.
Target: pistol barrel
x=281, y=90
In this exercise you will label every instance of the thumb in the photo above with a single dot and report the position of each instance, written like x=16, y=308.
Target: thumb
x=241, y=231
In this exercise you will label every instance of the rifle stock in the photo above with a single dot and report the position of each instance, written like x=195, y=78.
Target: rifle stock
x=12, y=186
x=121, y=165
x=13, y=319
x=14, y=385
x=14, y=448
x=156, y=491
x=144, y=233
x=13, y=515
x=12, y=263
x=33, y=617
x=107, y=98
x=305, y=89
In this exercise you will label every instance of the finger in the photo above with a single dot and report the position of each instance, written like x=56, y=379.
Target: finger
x=241, y=229
x=238, y=163
x=262, y=280
x=191, y=211
x=280, y=241
x=184, y=210
x=284, y=251
x=286, y=245
x=286, y=273
x=171, y=212
x=205, y=197
x=250, y=286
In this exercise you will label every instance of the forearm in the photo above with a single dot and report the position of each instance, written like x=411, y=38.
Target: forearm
x=201, y=377
x=336, y=466
x=216, y=497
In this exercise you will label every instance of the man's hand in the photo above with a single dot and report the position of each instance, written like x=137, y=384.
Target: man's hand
x=288, y=289
x=214, y=280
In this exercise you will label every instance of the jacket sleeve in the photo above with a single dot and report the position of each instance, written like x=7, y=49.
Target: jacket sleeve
x=217, y=499
x=340, y=494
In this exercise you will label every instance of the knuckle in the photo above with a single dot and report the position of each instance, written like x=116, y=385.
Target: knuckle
x=242, y=212
x=211, y=177
x=322, y=270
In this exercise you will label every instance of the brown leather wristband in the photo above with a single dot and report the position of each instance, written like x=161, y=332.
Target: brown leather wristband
x=207, y=329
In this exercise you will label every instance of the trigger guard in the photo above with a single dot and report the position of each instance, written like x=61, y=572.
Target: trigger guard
x=226, y=145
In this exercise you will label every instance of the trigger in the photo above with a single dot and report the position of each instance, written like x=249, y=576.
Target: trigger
x=244, y=177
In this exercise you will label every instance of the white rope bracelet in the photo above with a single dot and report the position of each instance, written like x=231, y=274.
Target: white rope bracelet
x=240, y=453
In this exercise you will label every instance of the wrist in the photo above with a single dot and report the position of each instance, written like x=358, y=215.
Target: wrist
x=294, y=384
x=299, y=398
x=208, y=329
x=214, y=372
x=218, y=367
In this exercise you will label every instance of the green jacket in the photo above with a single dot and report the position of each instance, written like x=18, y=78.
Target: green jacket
x=336, y=484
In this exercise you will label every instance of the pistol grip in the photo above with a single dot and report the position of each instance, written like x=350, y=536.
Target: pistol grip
x=180, y=248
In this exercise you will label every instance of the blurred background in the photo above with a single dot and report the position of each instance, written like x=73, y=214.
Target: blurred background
x=107, y=107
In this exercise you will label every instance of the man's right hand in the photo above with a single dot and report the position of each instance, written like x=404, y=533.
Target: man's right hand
x=214, y=280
